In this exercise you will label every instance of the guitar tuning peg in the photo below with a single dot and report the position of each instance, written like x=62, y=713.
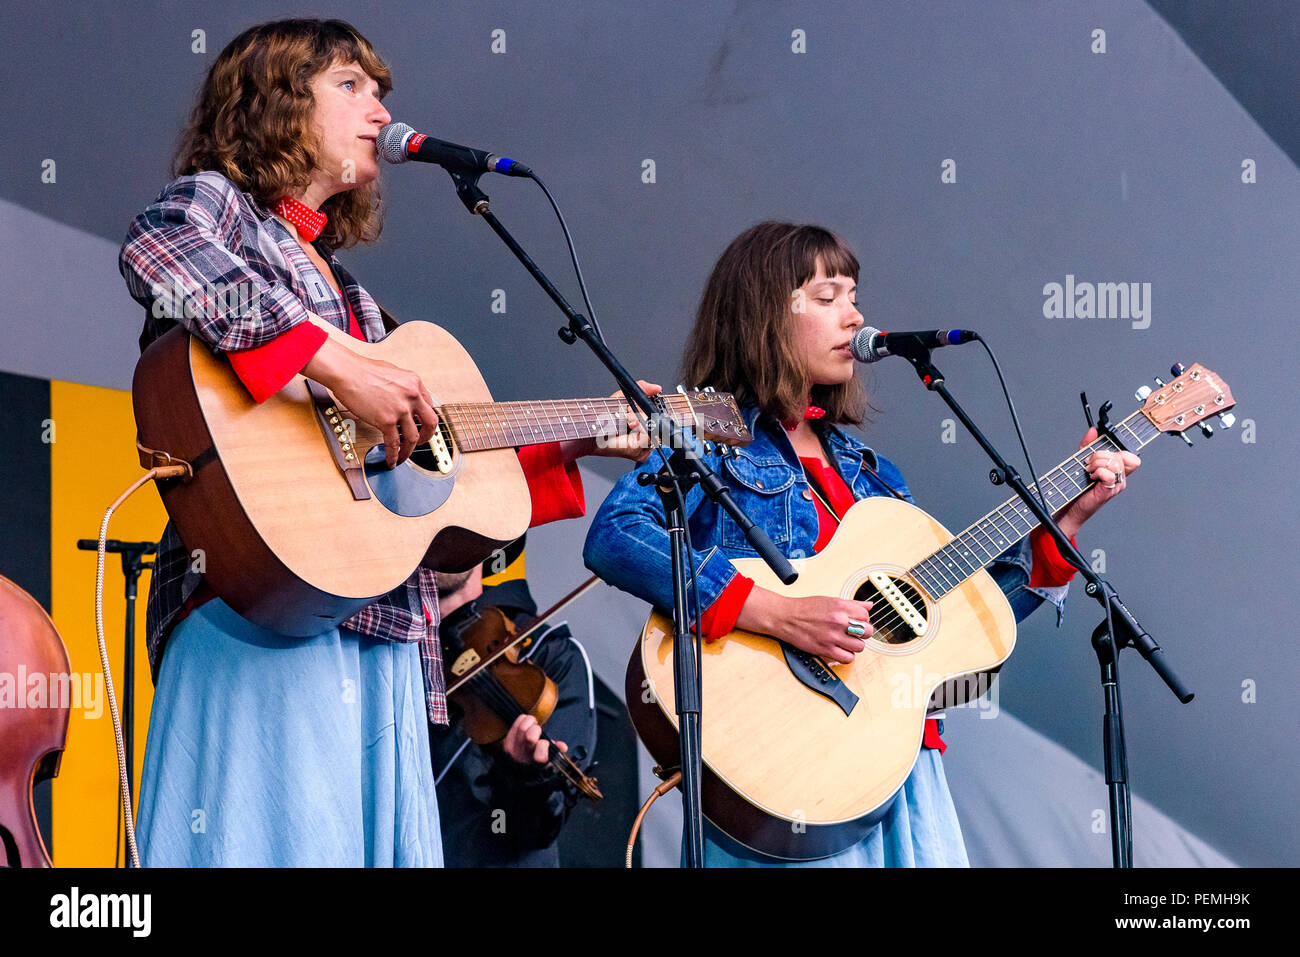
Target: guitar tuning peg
x=709, y=388
x=708, y=447
x=1160, y=383
x=1206, y=429
x=724, y=450
x=1183, y=435
x=681, y=388
x=1226, y=419
x=1177, y=369
x=1142, y=393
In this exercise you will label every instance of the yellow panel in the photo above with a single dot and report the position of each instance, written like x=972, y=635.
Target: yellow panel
x=93, y=460
x=513, y=572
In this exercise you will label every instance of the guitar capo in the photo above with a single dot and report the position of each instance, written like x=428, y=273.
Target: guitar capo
x=1102, y=425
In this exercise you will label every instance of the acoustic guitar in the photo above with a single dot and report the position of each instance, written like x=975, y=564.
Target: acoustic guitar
x=802, y=756
x=291, y=512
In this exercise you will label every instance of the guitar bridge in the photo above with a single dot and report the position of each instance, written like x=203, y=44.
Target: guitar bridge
x=815, y=674
x=340, y=437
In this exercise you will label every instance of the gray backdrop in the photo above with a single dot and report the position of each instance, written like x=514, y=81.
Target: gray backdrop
x=1122, y=166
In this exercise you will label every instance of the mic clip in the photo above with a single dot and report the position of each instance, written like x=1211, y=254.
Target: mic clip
x=473, y=198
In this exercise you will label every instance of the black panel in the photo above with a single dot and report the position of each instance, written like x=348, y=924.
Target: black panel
x=596, y=834
x=1250, y=47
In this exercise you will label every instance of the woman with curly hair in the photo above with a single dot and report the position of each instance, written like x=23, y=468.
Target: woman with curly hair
x=266, y=749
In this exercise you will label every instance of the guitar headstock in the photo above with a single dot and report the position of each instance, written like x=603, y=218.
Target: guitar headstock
x=1195, y=395
x=714, y=416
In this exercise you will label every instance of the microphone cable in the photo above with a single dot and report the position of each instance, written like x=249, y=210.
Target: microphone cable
x=573, y=255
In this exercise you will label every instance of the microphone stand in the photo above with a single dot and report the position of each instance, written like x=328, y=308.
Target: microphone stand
x=684, y=468
x=1119, y=629
x=133, y=564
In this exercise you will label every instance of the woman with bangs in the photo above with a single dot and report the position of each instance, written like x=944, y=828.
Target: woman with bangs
x=266, y=749
x=773, y=328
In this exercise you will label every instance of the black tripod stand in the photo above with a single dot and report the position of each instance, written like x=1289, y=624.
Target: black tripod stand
x=133, y=564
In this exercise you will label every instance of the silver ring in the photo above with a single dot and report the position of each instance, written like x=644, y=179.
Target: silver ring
x=856, y=628
x=1110, y=486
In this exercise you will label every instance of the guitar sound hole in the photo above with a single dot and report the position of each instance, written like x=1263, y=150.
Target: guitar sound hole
x=423, y=456
x=426, y=458
x=889, y=627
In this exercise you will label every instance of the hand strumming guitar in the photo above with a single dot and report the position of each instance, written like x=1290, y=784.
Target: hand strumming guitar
x=817, y=624
x=388, y=397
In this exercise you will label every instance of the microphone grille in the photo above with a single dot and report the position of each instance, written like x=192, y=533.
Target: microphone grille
x=861, y=344
x=392, y=142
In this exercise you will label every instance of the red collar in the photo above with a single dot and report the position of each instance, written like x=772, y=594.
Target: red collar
x=812, y=412
x=308, y=221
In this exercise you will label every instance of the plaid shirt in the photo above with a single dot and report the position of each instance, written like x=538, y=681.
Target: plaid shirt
x=204, y=240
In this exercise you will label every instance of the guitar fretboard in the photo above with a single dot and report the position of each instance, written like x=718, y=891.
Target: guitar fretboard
x=1011, y=521
x=478, y=426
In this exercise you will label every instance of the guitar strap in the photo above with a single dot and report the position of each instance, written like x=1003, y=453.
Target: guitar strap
x=389, y=322
x=384, y=315
x=814, y=488
x=876, y=475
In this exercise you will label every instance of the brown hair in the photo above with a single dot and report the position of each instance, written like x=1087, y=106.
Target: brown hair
x=743, y=339
x=252, y=122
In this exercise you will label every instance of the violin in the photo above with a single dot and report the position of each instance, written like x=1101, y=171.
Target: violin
x=31, y=738
x=493, y=686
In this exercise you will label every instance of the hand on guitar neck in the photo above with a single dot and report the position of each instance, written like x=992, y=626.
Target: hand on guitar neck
x=388, y=397
x=1109, y=471
x=634, y=445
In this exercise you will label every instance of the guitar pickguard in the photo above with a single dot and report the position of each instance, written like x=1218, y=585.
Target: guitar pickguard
x=406, y=490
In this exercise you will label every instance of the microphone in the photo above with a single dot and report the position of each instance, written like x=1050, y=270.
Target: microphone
x=399, y=143
x=872, y=345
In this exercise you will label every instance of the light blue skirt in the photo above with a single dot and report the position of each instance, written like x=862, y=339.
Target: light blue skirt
x=271, y=751
x=920, y=829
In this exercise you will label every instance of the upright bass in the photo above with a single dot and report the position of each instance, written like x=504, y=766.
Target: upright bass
x=31, y=738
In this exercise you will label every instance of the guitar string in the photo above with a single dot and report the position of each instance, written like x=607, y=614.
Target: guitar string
x=569, y=413
x=527, y=423
x=932, y=567
x=558, y=409
x=507, y=423
x=935, y=570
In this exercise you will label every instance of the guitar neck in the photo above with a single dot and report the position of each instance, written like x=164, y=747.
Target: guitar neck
x=1011, y=521
x=479, y=426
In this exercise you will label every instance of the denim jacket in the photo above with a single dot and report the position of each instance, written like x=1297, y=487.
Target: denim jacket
x=627, y=544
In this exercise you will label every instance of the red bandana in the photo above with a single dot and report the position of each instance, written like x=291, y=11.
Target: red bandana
x=812, y=412
x=308, y=221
